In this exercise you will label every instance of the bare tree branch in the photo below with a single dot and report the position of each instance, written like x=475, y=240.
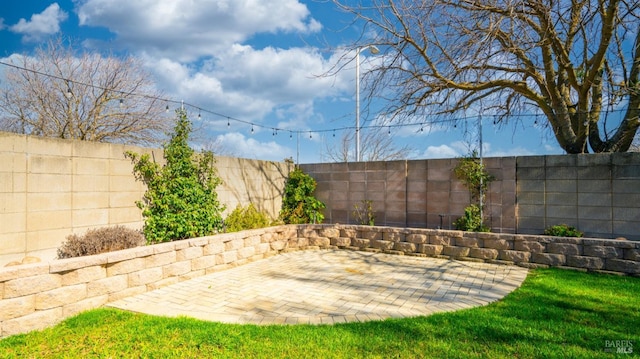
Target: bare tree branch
x=105, y=99
x=562, y=58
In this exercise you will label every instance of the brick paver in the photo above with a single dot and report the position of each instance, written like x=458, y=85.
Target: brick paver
x=331, y=286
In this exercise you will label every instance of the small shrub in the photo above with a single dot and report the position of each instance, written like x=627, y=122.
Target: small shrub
x=100, y=240
x=246, y=218
x=365, y=214
x=471, y=221
x=562, y=230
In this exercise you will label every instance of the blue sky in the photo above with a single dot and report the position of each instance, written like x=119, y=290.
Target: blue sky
x=257, y=61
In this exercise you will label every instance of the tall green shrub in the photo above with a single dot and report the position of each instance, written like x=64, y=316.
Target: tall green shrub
x=299, y=204
x=181, y=200
x=475, y=177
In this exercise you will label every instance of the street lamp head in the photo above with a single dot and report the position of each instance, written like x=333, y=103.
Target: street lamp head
x=374, y=50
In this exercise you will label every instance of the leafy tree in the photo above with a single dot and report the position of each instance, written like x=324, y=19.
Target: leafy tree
x=181, y=200
x=570, y=61
x=299, y=205
x=58, y=92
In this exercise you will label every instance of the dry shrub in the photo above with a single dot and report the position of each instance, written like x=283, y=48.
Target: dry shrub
x=100, y=240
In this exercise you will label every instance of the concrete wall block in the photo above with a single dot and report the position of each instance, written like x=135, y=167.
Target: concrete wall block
x=72, y=309
x=34, y=321
x=125, y=267
x=439, y=239
x=529, y=246
x=84, y=275
x=348, y=232
x=227, y=257
x=417, y=238
x=145, y=276
x=307, y=232
x=565, y=248
x=382, y=244
x=455, y=252
x=341, y=241
x=549, y=259
x=514, y=256
x=190, y=253
x=361, y=242
x=430, y=249
x=176, y=269
x=160, y=259
x=30, y=285
x=394, y=235
x=107, y=285
x=585, y=262
x=622, y=265
x=321, y=242
x=17, y=307
x=234, y=244
x=279, y=245
x=603, y=251
x=204, y=262
x=406, y=247
x=213, y=248
x=263, y=248
x=629, y=254
x=248, y=252
x=60, y=296
x=330, y=232
x=498, y=243
x=483, y=253
x=468, y=242
x=22, y=271
x=370, y=234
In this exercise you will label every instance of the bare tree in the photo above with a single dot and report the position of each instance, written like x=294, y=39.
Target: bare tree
x=571, y=61
x=56, y=93
x=376, y=146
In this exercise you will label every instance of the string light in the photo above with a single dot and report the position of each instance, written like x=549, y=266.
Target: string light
x=69, y=94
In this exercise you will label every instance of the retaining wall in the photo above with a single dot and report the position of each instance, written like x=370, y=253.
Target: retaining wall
x=35, y=296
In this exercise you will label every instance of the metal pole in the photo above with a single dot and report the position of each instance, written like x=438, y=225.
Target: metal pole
x=358, y=105
x=481, y=181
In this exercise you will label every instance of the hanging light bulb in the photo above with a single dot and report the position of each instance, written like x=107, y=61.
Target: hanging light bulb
x=167, y=108
x=310, y=135
x=389, y=131
x=69, y=94
x=121, y=103
x=199, y=116
x=228, y=123
x=252, y=129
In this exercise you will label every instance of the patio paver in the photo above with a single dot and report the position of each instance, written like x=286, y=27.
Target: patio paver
x=330, y=286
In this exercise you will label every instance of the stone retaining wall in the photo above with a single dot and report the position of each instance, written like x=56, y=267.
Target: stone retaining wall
x=35, y=296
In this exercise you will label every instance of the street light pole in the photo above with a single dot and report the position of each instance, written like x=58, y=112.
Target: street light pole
x=374, y=50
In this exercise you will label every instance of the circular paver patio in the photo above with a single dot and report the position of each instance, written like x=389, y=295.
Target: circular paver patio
x=331, y=286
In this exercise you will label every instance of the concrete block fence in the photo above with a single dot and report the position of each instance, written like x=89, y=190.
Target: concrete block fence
x=36, y=296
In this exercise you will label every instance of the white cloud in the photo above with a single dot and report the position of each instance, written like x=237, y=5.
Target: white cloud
x=2, y=25
x=442, y=151
x=189, y=29
x=248, y=147
x=42, y=24
x=250, y=84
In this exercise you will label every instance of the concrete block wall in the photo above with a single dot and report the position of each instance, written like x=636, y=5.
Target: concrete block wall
x=597, y=193
x=36, y=296
x=51, y=188
x=420, y=193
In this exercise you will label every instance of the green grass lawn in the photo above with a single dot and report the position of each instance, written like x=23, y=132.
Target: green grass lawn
x=555, y=314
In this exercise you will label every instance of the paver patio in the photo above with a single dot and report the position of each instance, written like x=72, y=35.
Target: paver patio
x=331, y=286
